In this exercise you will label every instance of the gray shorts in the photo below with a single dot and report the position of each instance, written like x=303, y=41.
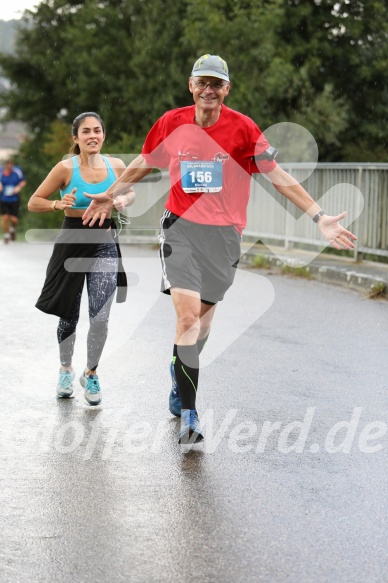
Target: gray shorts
x=197, y=257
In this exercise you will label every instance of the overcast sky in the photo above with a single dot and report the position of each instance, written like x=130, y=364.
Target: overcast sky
x=14, y=8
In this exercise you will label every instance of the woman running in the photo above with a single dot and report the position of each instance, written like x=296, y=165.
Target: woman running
x=81, y=252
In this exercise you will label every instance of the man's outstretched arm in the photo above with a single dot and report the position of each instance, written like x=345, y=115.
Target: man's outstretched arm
x=330, y=228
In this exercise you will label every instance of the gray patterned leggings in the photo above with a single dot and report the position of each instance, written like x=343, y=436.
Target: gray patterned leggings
x=101, y=285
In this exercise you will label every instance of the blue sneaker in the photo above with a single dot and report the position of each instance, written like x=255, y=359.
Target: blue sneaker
x=65, y=386
x=190, y=429
x=92, y=389
x=174, y=401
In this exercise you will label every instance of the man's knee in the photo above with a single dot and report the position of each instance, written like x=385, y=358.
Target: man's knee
x=188, y=320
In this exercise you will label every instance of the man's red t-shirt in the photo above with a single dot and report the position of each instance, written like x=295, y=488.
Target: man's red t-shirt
x=210, y=168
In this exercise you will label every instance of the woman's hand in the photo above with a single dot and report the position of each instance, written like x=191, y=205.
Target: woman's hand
x=123, y=200
x=67, y=201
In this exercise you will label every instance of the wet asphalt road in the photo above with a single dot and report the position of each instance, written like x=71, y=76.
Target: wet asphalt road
x=278, y=492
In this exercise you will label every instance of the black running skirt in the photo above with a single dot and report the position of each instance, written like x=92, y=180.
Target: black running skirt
x=76, y=242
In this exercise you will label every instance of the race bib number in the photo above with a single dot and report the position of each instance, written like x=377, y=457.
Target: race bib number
x=8, y=190
x=201, y=176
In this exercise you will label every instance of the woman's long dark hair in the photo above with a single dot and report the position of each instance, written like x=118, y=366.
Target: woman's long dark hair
x=75, y=127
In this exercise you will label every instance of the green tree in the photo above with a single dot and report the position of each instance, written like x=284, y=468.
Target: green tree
x=244, y=32
x=115, y=57
x=338, y=52
x=319, y=63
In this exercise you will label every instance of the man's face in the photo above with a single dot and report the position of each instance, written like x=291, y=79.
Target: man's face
x=208, y=92
x=8, y=166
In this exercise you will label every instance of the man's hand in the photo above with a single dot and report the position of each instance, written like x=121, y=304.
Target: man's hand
x=339, y=237
x=99, y=208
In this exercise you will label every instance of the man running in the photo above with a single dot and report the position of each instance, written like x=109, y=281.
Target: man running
x=12, y=181
x=211, y=152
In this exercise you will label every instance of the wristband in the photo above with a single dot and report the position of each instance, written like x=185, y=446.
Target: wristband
x=54, y=205
x=318, y=216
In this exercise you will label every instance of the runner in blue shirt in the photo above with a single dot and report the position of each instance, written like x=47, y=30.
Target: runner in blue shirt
x=12, y=181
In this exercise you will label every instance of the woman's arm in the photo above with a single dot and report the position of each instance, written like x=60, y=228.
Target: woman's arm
x=54, y=181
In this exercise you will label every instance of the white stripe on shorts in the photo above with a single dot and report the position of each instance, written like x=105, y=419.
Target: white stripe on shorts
x=162, y=239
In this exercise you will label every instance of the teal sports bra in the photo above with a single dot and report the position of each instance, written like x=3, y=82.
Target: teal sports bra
x=81, y=201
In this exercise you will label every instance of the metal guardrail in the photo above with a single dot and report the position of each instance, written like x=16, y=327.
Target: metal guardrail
x=272, y=217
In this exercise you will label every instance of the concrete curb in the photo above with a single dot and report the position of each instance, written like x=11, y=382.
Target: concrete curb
x=351, y=276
